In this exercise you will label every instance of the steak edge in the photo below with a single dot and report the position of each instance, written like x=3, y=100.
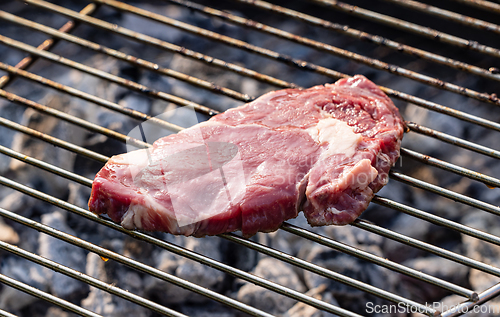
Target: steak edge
x=325, y=150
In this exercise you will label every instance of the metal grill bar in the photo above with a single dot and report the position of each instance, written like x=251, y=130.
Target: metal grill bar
x=304, y=264
x=79, y=275
x=290, y=228
x=149, y=270
x=266, y=250
x=122, y=259
x=410, y=27
x=136, y=36
x=449, y=15
x=423, y=158
x=160, y=44
x=436, y=220
x=328, y=274
x=125, y=57
x=46, y=166
x=461, y=308
x=346, y=30
x=365, y=225
x=47, y=44
x=89, y=97
x=441, y=109
x=453, y=140
x=487, y=180
x=324, y=240
x=335, y=276
x=445, y=193
x=473, y=296
x=47, y=138
x=104, y=75
x=164, y=124
x=301, y=40
x=352, y=251
x=46, y=296
x=72, y=119
x=3, y=313
x=485, y=5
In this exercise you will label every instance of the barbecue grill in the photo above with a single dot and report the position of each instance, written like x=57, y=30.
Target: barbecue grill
x=450, y=76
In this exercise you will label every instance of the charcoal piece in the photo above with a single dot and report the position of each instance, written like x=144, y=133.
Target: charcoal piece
x=63, y=253
x=275, y=271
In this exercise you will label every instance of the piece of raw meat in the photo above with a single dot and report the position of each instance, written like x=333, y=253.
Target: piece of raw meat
x=324, y=150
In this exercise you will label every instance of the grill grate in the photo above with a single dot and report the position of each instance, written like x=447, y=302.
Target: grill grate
x=470, y=297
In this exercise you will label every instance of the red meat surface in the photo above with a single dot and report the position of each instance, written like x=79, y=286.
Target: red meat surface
x=324, y=150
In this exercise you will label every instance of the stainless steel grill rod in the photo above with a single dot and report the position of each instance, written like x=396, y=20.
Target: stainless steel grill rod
x=296, y=262
x=159, y=43
x=125, y=57
x=120, y=258
x=104, y=75
x=79, y=275
x=339, y=246
x=140, y=37
x=453, y=140
x=481, y=4
x=490, y=181
x=3, y=313
x=410, y=27
x=164, y=124
x=426, y=159
x=55, y=141
x=290, y=228
x=487, y=180
x=152, y=271
x=47, y=44
x=468, y=306
x=437, y=220
x=346, y=30
x=72, y=119
x=46, y=166
x=365, y=225
x=445, y=193
x=491, y=98
x=89, y=97
x=212, y=265
x=46, y=296
x=448, y=15
x=441, y=109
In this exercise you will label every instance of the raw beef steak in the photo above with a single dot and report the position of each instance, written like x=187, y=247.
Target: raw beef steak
x=324, y=150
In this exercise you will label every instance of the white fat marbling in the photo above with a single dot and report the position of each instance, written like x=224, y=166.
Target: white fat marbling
x=340, y=137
